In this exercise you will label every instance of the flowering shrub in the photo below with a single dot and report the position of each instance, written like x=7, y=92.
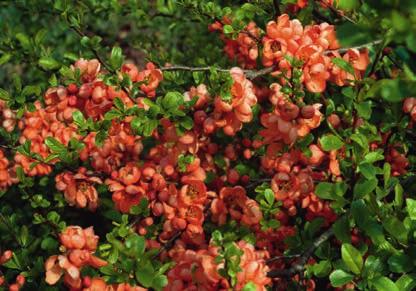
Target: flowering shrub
x=215, y=146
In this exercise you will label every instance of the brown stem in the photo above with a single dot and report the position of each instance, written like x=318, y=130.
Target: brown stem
x=276, y=4
x=278, y=258
x=169, y=244
x=300, y=265
x=341, y=14
x=94, y=51
x=252, y=74
x=358, y=47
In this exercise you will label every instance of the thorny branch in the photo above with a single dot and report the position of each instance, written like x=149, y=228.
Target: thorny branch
x=252, y=74
x=300, y=265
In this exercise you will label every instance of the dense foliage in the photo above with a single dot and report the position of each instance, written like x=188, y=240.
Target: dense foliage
x=197, y=145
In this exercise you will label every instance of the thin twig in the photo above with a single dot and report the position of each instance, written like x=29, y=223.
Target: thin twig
x=341, y=14
x=94, y=51
x=358, y=47
x=6, y=223
x=300, y=265
x=168, y=245
x=376, y=60
x=257, y=182
x=191, y=69
x=278, y=258
x=252, y=74
x=97, y=56
x=276, y=4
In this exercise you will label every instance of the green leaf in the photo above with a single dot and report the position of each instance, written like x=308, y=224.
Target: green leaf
x=172, y=100
x=48, y=63
x=322, y=268
x=250, y=286
x=324, y=190
x=5, y=58
x=78, y=118
x=350, y=34
x=40, y=35
x=116, y=58
x=118, y=103
x=368, y=171
x=4, y=95
x=159, y=282
x=341, y=229
x=406, y=282
x=55, y=145
x=331, y=142
x=360, y=139
x=374, y=157
x=352, y=258
x=23, y=40
x=364, y=187
x=269, y=195
x=373, y=266
x=49, y=244
x=135, y=245
x=364, y=109
x=149, y=127
x=384, y=284
x=347, y=4
x=398, y=195
x=187, y=122
x=396, y=228
x=400, y=263
x=340, y=277
x=343, y=64
x=100, y=137
x=392, y=90
x=411, y=208
x=228, y=29
x=145, y=274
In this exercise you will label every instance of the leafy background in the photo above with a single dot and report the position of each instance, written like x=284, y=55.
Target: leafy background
x=40, y=39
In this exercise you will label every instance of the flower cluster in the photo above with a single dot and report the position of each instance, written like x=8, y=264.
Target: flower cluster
x=239, y=157
x=80, y=245
x=244, y=47
x=409, y=106
x=148, y=79
x=79, y=189
x=8, y=117
x=301, y=4
x=234, y=201
x=315, y=46
x=7, y=172
x=199, y=268
x=230, y=115
x=20, y=279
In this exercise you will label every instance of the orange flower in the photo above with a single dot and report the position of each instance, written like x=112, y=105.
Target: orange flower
x=151, y=77
x=78, y=189
x=194, y=270
x=74, y=237
x=194, y=192
x=80, y=244
x=253, y=268
x=201, y=93
x=89, y=69
x=7, y=117
x=126, y=192
x=235, y=202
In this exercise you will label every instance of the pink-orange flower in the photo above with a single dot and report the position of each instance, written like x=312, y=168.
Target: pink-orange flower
x=79, y=247
x=79, y=188
x=150, y=79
